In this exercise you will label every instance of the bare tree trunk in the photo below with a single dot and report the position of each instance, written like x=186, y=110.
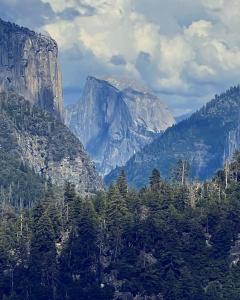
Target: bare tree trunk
x=183, y=172
x=226, y=175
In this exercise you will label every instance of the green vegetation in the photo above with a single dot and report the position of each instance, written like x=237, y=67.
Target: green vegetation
x=174, y=240
x=24, y=129
x=20, y=185
x=204, y=139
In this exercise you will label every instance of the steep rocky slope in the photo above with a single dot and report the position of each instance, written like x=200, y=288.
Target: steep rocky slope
x=116, y=118
x=206, y=139
x=32, y=137
x=29, y=66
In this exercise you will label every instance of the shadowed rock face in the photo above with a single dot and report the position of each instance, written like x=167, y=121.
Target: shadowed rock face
x=114, y=119
x=29, y=66
x=206, y=140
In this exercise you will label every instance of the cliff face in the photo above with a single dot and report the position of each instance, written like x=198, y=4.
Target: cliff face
x=29, y=66
x=206, y=140
x=115, y=119
x=44, y=144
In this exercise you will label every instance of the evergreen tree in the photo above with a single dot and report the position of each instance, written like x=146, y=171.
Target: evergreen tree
x=116, y=216
x=69, y=197
x=152, y=243
x=155, y=180
x=5, y=286
x=42, y=260
x=122, y=184
x=80, y=258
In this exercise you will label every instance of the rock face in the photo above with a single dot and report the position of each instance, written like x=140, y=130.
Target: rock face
x=206, y=140
x=44, y=144
x=114, y=119
x=29, y=66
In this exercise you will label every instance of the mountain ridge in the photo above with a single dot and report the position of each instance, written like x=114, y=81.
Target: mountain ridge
x=206, y=139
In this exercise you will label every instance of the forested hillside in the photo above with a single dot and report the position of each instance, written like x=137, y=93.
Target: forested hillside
x=171, y=240
x=206, y=140
x=20, y=184
x=34, y=146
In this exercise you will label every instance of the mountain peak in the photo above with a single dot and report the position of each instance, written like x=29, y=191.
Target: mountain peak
x=123, y=83
x=114, y=120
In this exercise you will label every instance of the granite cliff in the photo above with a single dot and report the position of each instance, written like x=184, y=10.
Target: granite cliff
x=116, y=118
x=206, y=139
x=34, y=143
x=29, y=66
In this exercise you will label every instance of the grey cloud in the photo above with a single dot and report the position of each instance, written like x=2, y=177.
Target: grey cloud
x=146, y=68
x=35, y=14
x=171, y=16
x=87, y=10
x=29, y=13
x=118, y=60
x=80, y=10
x=69, y=13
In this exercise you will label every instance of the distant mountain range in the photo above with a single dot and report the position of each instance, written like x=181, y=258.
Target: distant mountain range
x=205, y=139
x=120, y=122
x=115, y=118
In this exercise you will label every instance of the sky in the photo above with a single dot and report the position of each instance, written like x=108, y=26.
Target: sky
x=186, y=51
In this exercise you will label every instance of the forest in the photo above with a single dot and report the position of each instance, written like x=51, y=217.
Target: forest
x=175, y=239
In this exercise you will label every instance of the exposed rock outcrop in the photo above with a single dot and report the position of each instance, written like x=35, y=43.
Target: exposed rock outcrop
x=206, y=140
x=116, y=118
x=46, y=145
x=29, y=66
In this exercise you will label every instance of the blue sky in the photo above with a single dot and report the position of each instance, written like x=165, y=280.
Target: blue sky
x=185, y=50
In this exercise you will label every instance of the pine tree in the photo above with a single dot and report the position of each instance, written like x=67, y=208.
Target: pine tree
x=122, y=184
x=69, y=192
x=69, y=197
x=116, y=216
x=80, y=258
x=42, y=260
x=5, y=287
x=155, y=180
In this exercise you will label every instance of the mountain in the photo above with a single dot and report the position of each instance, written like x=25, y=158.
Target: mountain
x=116, y=118
x=34, y=142
x=183, y=117
x=29, y=66
x=34, y=145
x=206, y=140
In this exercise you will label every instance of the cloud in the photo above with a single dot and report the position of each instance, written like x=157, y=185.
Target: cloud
x=118, y=60
x=30, y=13
x=185, y=50
x=68, y=13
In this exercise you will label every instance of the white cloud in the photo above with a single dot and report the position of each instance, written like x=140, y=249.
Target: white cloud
x=181, y=48
x=200, y=28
